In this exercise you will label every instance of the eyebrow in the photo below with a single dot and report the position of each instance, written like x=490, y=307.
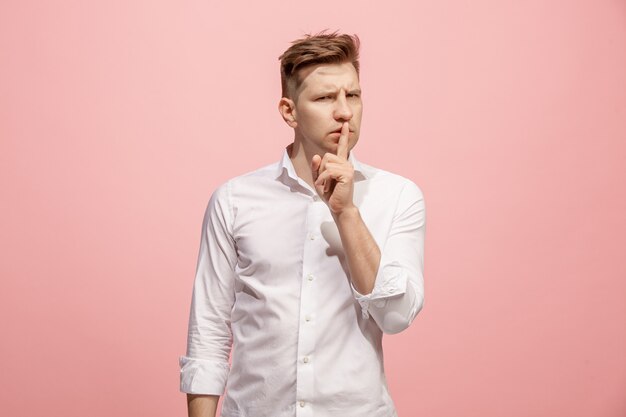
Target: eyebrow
x=328, y=91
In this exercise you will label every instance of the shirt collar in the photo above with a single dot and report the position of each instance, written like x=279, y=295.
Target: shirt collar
x=285, y=165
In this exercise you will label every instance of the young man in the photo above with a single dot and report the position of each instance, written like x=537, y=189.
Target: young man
x=305, y=263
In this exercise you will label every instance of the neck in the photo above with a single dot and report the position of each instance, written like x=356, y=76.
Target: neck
x=301, y=159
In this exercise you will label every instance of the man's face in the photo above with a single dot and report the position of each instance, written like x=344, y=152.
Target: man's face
x=329, y=95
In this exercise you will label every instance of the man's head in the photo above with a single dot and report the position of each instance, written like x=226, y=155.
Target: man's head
x=321, y=91
x=322, y=48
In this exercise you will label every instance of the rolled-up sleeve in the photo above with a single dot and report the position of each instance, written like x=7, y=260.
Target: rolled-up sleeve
x=205, y=368
x=398, y=293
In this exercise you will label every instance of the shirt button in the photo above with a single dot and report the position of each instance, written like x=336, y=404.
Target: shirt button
x=301, y=403
x=312, y=236
x=307, y=318
x=306, y=359
x=310, y=277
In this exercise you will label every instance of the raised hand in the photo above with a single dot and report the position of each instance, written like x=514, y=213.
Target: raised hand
x=334, y=175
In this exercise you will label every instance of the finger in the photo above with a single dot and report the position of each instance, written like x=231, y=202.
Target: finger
x=319, y=186
x=327, y=184
x=332, y=168
x=331, y=158
x=324, y=161
x=342, y=146
x=315, y=166
x=332, y=173
x=323, y=178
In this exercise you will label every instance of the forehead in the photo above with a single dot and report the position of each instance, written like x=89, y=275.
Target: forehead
x=329, y=76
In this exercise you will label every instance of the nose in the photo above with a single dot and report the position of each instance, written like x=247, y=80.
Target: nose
x=342, y=109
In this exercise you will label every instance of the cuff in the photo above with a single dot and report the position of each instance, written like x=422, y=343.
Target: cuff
x=202, y=376
x=391, y=281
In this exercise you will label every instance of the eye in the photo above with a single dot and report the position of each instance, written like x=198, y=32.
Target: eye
x=322, y=98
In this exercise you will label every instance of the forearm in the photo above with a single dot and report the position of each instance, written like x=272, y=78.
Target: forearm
x=362, y=252
x=202, y=405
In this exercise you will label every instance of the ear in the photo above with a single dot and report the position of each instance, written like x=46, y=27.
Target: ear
x=287, y=109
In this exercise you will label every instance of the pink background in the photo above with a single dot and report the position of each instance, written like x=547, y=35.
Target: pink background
x=119, y=118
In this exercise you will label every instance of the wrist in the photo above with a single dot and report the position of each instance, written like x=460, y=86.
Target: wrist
x=347, y=214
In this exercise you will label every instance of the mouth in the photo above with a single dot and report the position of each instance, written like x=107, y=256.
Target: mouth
x=339, y=131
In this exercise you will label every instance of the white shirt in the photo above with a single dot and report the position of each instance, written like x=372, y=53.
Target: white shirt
x=272, y=279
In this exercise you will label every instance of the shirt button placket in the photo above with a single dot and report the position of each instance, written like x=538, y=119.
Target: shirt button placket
x=306, y=334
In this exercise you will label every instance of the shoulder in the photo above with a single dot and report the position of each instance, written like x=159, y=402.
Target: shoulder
x=227, y=192
x=400, y=185
x=263, y=173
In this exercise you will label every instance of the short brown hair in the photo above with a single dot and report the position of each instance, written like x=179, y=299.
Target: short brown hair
x=321, y=48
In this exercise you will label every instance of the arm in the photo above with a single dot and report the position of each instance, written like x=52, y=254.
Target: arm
x=394, y=275
x=334, y=182
x=389, y=285
x=202, y=405
x=204, y=369
x=360, y=247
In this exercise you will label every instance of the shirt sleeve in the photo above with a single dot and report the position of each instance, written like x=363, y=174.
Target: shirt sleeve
x=398, y=293
x=205, y=368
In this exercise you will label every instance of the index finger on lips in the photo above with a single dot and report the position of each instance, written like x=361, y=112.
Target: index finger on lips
x=342, y=146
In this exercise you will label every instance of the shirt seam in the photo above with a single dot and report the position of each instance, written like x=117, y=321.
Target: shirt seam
x=231, y=211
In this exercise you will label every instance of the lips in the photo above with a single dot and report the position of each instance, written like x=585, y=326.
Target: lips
x=339, y=131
